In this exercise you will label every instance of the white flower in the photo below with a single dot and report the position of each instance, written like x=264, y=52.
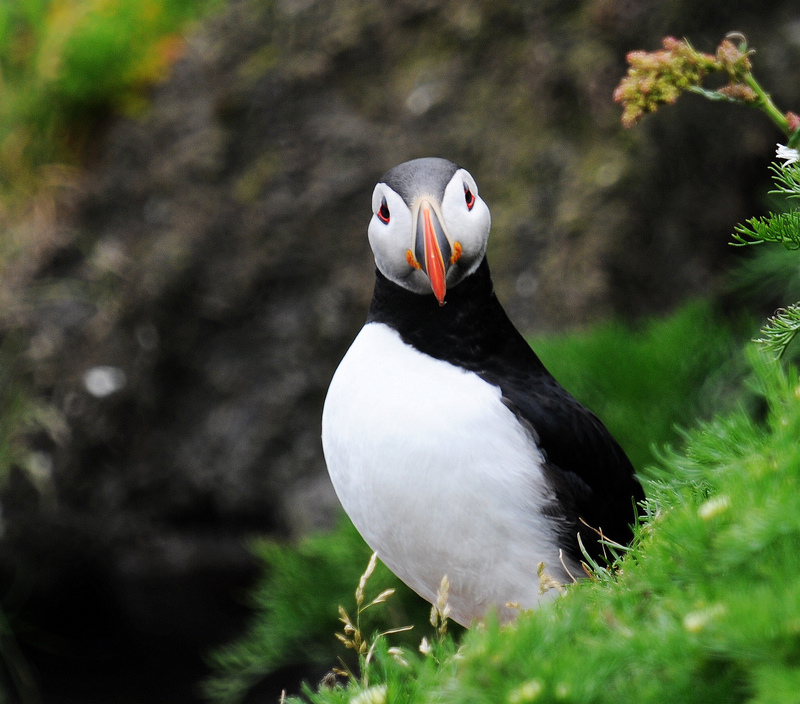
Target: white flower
x=790, y=156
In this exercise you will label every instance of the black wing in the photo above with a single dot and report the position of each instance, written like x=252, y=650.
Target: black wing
x=593, y=479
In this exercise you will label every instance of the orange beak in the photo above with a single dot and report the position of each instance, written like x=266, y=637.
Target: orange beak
x=432, y=249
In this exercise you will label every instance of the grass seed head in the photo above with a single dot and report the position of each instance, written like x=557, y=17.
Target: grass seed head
x=362, y=583
x=546, y=580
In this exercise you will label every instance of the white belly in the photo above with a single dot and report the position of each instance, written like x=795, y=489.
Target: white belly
x=438, y=476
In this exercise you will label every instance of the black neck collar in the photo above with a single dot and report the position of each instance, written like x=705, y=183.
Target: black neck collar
x=471, y=329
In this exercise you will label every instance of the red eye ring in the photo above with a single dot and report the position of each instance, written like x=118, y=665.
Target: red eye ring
x=469, y=197
x=383, y=211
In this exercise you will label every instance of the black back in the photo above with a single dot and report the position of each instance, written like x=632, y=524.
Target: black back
x=590, y=473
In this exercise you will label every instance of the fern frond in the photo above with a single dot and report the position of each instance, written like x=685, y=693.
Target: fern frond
x=776, y=227
x=780, y=330
x=787, y=180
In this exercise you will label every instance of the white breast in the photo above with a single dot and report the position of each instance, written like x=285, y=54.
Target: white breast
x=438, y=476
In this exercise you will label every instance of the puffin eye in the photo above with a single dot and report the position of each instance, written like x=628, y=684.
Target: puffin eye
x=383, y=211
x=469, y=197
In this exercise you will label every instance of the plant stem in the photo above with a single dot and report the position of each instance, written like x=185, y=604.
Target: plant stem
x=766, y=105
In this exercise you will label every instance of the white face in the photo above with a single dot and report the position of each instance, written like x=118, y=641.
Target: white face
x=465, y=220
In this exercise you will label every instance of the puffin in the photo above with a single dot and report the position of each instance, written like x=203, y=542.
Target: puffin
x=452, y=449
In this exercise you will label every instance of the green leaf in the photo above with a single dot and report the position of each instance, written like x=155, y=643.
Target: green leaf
x=787, y=179
x=776, y=227
x=780, y=330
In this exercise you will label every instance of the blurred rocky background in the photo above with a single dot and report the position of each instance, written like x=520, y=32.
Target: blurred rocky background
x=179, y=301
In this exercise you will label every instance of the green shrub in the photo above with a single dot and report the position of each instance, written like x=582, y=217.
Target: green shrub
x=643, y=382
x=296, y=608
x=66, y=63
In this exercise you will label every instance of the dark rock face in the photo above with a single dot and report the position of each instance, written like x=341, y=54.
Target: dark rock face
x=184, y=311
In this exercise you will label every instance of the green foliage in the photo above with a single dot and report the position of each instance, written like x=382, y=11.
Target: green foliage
x=644, y=382
x=395, y=674
x=768, y=274
x=775, y=227
x=63, y=63
x=780, y=330
x=296, y=610
x=787, y=180
x=782, y=227
x=706, y=607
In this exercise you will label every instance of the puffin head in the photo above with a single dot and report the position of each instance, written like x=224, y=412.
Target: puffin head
x=429, y=226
